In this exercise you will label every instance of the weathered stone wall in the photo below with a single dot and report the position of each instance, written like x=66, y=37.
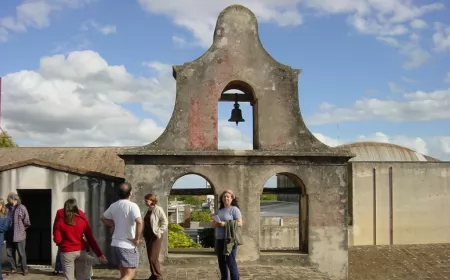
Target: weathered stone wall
x=325, y=185
x=279, y=233
x=400, y=203
x=93, y=195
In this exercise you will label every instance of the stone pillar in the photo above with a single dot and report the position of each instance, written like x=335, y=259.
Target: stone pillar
x=328, y=238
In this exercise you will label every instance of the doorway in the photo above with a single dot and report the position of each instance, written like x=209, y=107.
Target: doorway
x=39, y=206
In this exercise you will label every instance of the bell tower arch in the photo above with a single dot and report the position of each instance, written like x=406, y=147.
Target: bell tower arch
x=238, y=92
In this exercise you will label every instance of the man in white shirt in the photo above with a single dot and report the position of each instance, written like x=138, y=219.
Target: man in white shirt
x=124, y=217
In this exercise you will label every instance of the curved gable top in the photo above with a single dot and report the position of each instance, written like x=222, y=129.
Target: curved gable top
x=377, y=151
x=237, y=60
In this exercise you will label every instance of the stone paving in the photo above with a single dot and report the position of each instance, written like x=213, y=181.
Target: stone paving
x=410, y=262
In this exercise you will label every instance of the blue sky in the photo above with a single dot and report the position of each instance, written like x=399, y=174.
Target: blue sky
x=372, y=70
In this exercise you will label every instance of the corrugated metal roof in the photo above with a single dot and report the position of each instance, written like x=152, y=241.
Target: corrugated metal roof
x=102, y=160
x=376, y=151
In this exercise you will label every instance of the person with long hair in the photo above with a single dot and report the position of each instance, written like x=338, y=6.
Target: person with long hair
x=155, y=224
x=4, y=226
x=69, y=228
x=227, y=221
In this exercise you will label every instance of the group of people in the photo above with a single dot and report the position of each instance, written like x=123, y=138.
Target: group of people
x=73, y=235
x=14, y=221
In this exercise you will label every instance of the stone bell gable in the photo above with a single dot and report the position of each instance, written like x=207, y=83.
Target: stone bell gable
x=237, y=60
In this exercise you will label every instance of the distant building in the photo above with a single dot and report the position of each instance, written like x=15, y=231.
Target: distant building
x=396, y=195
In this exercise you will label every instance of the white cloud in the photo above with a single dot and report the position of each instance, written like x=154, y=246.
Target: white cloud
x=376, y=17
x=409, y=80
x=437, y=146
x=75, y=43
x=106, y=29
x=199, y=16
x=179, y=41
x=447, y=78
x=441, y=37
x=411, y=48
x=417, y=144
x=415, y=106
x=418, y=24
x=232, y=138
x=34, y=14
x=394, y=88
x=76, y=100
x=444, y=144
x=332, y=142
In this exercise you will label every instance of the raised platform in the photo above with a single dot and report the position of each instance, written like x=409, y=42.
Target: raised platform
x=189, y=257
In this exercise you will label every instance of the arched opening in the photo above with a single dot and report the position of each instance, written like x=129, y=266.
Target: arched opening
x=237, y=131
x=284, y=214
x=190, y=203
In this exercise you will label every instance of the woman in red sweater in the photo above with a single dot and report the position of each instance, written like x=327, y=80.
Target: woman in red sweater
x=69, y=228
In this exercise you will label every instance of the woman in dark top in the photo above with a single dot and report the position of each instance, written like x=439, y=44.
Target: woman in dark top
x=4, y=226
x=155, y=224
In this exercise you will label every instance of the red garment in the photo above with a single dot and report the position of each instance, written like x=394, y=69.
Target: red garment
x=70, y=238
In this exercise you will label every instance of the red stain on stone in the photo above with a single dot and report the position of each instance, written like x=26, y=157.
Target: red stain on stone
x=279, y=143
x=195, y=126
x=211, y=102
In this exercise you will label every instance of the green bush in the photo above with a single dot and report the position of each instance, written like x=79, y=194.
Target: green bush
x=179, y=239
x=206, y=237
x=201, y=216
x=269, y=197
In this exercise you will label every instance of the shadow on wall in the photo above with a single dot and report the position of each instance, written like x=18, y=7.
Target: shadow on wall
x=94, y=195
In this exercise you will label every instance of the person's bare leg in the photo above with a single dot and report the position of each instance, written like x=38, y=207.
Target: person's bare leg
x=127, y=273
x=122, y=272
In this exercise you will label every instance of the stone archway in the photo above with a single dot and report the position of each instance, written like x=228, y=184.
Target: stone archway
x=189, y=143
x=291, y=186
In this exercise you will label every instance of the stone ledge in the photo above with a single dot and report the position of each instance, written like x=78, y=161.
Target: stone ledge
x=333, y=152
x=189, y=258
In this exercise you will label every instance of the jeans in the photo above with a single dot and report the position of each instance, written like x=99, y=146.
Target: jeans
x=11, y=249
x=58, y=264
x=227, y=262
x=1, y=260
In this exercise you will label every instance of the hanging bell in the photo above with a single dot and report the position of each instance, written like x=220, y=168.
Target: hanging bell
x=236, y=114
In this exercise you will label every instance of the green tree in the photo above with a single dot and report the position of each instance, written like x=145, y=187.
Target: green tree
x=201, y=215
x=188, y=199
x=6, y=140
x=271, y=197
x=179, y=239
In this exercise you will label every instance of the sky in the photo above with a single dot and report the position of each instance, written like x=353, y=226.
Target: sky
x=99, y=73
